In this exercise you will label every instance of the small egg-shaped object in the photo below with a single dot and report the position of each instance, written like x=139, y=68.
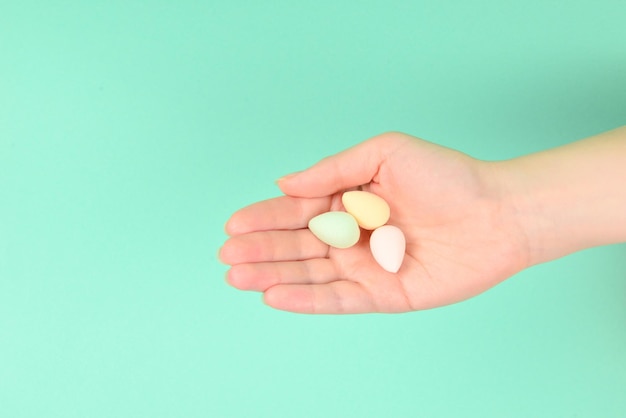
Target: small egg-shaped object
x=337, y=229
x=369, y=210
x=388, y=245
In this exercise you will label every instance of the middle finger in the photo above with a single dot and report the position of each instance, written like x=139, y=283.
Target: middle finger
x=263, y=246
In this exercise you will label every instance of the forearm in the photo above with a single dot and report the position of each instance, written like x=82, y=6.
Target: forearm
x=569, y=198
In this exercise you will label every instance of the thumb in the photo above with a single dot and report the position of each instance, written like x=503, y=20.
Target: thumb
x=350, y=168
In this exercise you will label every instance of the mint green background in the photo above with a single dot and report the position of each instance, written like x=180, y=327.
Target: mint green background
x=129, y=131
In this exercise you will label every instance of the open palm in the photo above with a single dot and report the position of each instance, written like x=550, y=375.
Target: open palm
x=462, y=238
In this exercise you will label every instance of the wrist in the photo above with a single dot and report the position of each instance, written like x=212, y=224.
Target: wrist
x=568, y=198
x=527, y=211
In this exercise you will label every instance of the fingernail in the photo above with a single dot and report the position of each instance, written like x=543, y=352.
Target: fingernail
x=288, y=176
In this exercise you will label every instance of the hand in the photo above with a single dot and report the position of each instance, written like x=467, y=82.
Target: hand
x=462, y=236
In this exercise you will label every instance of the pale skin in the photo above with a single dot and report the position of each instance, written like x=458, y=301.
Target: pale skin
x=469, y=224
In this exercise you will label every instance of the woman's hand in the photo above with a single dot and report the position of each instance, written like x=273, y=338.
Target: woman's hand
x=463, y=237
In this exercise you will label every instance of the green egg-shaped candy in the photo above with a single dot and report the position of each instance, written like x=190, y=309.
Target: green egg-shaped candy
x=337, y=229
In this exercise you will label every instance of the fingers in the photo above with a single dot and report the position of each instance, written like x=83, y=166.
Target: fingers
x=340, y=297
x=310, y=286
x=265, y=246
x=276, y=214
x=261, y=276
x=353, y=167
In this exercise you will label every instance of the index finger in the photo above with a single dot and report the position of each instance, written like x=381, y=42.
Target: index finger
x=280, y=213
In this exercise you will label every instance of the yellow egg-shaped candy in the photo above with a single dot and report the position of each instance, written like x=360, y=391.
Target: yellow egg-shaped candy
x=370, y=210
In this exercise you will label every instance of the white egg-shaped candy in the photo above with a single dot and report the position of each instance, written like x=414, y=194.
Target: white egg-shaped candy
x=388, y=245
